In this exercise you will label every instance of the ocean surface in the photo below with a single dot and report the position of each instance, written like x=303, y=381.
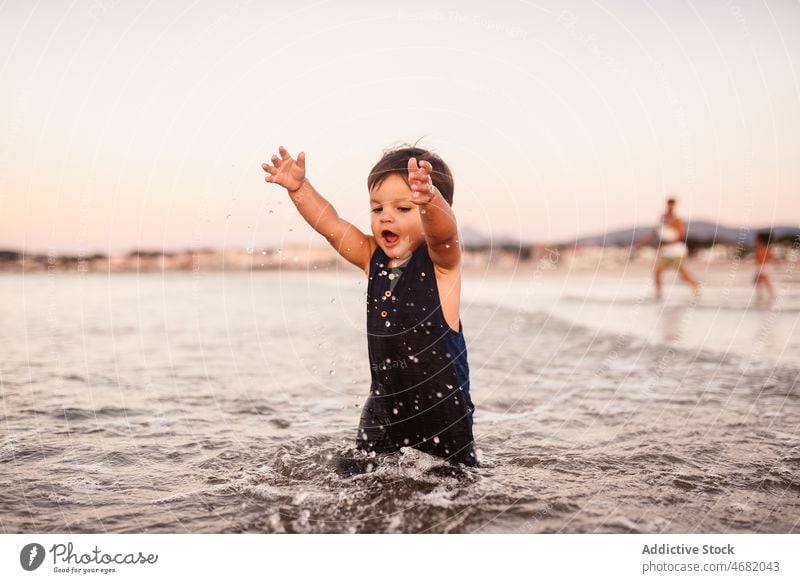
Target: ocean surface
x=187, y=403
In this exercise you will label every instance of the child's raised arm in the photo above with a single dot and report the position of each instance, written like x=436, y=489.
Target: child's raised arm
x=349, y=242
x=438, y=219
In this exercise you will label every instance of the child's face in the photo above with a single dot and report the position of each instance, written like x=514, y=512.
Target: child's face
x=395, y=220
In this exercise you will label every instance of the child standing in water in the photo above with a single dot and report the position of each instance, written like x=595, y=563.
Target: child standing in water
x=763, y=258
x=419, y=395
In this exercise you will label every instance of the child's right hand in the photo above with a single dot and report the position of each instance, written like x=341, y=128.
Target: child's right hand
x=286, y=171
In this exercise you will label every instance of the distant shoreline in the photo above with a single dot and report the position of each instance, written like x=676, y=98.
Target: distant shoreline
x=301, y=258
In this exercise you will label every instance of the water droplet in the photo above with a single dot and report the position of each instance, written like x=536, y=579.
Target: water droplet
x=448, y=386
x=263, y=252
x=395, y=411
x=406, y=441
x=271, y=211
x=439, y=394
x=333, y=300
x=388, y=323
x=436, y=439
x=447, y=246
x=249, y=250
x=333, y=372
x=227, y=217
x=422, y=211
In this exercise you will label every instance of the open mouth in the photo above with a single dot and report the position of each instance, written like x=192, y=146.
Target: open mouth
x=390, y=238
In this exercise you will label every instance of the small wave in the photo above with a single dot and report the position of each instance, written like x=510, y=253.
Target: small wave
x=8, y=452
x=249, y=407
x=180, y=496
x=701, y=483
x=120, y=458
x=622, y=524
x=77, y=413
x=710, y=303
x=17, y=452
x=75, y=377
x=81, y=484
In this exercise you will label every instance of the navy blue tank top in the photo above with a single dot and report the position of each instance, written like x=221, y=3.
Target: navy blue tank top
x=419, y=395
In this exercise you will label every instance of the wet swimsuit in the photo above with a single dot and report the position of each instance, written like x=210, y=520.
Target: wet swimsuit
x=419, y=395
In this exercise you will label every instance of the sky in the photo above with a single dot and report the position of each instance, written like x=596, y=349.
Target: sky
x=130, y=125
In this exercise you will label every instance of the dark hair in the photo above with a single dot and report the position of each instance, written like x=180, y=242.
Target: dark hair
x=396, y=162
x=764, y=237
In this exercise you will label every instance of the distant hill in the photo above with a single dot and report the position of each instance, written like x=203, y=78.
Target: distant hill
x=699, y=231
x=474, y=239
x=699, y=234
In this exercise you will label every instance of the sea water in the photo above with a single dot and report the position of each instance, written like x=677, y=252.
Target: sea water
x=221, y=402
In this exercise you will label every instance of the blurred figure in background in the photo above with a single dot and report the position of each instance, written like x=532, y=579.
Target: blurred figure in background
x=763, y=258
x=672, y=250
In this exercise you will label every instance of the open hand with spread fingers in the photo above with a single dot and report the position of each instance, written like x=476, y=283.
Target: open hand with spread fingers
x=286, y=171
x=419, y=179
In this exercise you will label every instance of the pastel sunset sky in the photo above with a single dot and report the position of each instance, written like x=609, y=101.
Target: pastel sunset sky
x=144, y=124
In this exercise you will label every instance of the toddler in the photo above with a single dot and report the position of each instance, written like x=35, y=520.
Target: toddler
x=419, y=395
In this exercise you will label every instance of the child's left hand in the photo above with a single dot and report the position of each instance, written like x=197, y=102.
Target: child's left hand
x=419, y=179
